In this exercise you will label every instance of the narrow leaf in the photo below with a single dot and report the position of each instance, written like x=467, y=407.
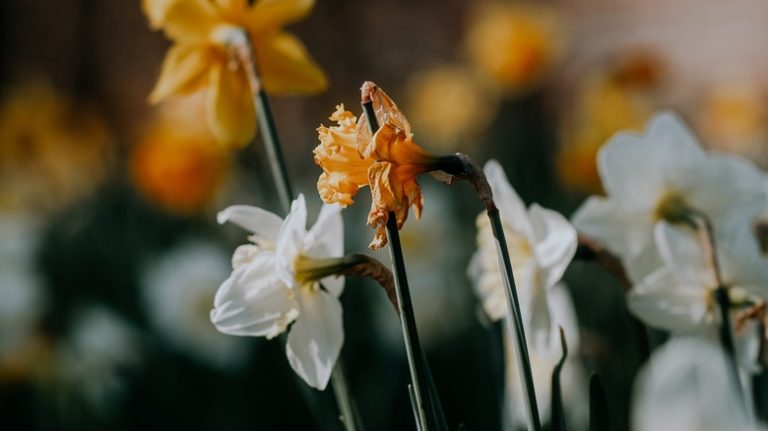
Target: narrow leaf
x=557, y=420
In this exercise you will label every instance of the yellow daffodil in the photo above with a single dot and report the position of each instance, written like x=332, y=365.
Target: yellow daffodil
x=388, y=162
x=178, y=166
x=513, y=44
x=204, y=31
x=621, y=97
x=52, y=151
x=450, y=105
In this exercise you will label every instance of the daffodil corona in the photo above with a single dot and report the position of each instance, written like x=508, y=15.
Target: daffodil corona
x=388, y=162
x=204, y=31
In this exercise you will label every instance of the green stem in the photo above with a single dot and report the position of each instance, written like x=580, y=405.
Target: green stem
x=243, y=50
x=427, y=404
x=460, y=167
x=515, y=320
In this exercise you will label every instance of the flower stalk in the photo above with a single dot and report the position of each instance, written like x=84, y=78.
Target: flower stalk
x=241, y=50
x=426, y=401
x=460, y=167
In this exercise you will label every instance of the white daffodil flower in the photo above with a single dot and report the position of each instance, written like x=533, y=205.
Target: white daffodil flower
x=543, y=362
x=679, y=297
x=541, y=244
x=661, y=175
x=178, y=289
x=283, y=278
x=686, y=386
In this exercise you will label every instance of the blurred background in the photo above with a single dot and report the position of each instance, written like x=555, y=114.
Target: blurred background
x=110, y=253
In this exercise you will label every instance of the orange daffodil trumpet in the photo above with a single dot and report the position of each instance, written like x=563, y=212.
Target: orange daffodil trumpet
x=387, y=161
x=206, y=34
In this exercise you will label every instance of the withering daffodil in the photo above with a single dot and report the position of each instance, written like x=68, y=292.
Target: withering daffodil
x=284, y=277
x=664, y=175
x=204, y=32
x=388, y=161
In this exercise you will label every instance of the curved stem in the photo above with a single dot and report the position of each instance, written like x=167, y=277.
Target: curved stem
x=460, y=167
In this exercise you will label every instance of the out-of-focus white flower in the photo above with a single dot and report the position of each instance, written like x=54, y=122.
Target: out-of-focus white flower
x=543, y=362
x=686, y=386
x=89, y=364
x=21, y=293
x=662, y=175
x=283, y=278
x=541, y=244
x=679, y=297
x=178, y=291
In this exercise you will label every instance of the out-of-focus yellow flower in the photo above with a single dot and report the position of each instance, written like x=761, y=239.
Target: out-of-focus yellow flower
x=52, y=152
x=203, y=32
x=733, y=118
x=513, y=44
x=388, y=162
x=450, y=105
x=178, y=165
x=621, y=98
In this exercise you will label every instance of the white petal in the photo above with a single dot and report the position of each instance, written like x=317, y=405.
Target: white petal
x=333, y=284
x=624, y=233
x=326, y=237
x=742, y=261
x=255, y=220
x=253, y=301
x=728, y=188
x=290, y=239
x=687, y=386
x=681, y=250
x=636, y=170
x=662, y=301
x=315, y=339
x=554, y=242
x=510, y=205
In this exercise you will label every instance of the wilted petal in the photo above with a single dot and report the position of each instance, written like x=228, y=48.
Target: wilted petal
x=554, y=242
x=253, y=219
x=316, y=338
x=185, y=69
x=230, y=109
x=285, y=66
x=254, y=302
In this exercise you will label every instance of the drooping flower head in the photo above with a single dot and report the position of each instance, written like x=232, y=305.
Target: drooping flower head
x=203, y=32
x=388, y=161
x=284, y=278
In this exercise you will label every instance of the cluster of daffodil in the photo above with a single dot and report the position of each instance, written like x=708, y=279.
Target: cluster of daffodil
x=680, y=220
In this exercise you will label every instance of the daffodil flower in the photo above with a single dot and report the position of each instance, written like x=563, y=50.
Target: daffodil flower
x=203, y=32
x=664, y=175
x=388, y=162
x=679, y=296
x=284, y=278
x=686, y=386
x=541, y=245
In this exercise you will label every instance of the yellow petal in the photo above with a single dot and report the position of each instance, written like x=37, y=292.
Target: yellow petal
x=155, y=10
x=285, y=66
x=230, y=107
x=277, y=13
x=190, y=20
x=184, y=70
x=232, y=6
